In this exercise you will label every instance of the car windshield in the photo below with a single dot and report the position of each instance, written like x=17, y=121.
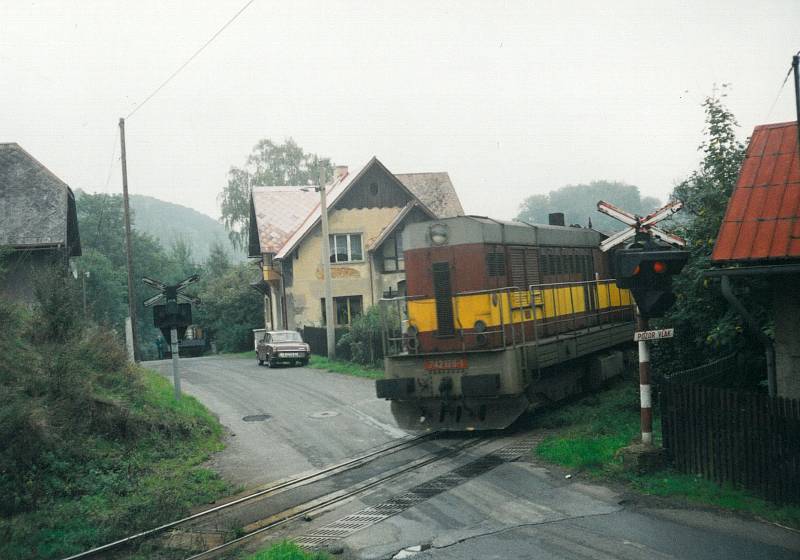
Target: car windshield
x=286, y=337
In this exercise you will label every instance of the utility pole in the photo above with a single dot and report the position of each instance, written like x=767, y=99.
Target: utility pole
x=128, y=247
x=330, y=323
x=796, y=68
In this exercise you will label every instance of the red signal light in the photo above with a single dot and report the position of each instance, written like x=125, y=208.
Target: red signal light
x=659, y=267
x=636, y=271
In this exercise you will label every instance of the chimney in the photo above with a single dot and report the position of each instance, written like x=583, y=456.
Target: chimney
x=339, y=172
x=556, y=219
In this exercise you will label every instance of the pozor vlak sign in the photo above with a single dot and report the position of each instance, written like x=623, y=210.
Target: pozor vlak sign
x=653, y=335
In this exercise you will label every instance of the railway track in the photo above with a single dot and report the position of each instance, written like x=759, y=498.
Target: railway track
x=188, y=537
x=305, y=510
x=272, y=489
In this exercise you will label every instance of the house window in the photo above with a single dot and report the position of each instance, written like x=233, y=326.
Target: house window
x=393, y=254
x=346, y=247
x=346, y=309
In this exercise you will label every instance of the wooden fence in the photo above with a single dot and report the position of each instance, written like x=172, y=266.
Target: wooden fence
x=317, y=338
x=730, y=436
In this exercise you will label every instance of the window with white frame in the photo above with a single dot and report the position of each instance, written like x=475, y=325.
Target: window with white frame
x=346, y=247
x=393, y=254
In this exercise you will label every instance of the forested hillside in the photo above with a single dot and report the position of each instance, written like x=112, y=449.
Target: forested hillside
x=172, y=223
x=230, y=310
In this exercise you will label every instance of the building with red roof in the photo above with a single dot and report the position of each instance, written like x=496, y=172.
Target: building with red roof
x=762, y=222
x=760, y=235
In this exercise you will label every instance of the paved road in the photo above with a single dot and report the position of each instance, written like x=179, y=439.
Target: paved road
x=522, y=510
x=518, y=510
x=315, y=418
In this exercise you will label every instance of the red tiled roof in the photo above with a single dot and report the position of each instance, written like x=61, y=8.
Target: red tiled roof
x=762, y=221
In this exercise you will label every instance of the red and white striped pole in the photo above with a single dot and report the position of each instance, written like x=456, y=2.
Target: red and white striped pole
x=645, y=396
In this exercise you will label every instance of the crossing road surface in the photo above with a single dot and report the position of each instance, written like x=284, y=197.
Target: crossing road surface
x=285, y=420
x=290, y=420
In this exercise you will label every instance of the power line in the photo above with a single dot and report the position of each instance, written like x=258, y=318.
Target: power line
x=780, y=90
x=111, y=165
x=191, y=58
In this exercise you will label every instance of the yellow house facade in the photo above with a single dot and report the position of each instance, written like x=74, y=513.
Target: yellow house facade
x=367, y=210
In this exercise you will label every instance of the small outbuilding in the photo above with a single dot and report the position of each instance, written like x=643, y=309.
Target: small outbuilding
x=760, y=235
x=38, y=222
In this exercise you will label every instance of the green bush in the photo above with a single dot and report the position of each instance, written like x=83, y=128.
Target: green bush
x=93, y=448
x=362, y=343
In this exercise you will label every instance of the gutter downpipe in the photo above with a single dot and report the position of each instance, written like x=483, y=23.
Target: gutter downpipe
x=752, y=324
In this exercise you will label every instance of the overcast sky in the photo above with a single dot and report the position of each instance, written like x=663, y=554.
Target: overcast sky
x=511, y=98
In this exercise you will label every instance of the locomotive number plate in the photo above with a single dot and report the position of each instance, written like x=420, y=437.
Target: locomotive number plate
x=445, y=364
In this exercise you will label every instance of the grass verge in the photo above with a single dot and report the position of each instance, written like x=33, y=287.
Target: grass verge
x=593, y=429
x=112, y=487
x=348, y=368
x=287, y=550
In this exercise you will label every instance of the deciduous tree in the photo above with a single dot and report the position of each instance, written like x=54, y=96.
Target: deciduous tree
x=269, y=164
x=579, y=204
x=705, y=326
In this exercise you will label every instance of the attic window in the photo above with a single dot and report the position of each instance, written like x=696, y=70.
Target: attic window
x=373, y=189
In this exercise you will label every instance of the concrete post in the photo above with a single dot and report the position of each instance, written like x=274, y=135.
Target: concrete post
x=129, y=339
x=176, y=376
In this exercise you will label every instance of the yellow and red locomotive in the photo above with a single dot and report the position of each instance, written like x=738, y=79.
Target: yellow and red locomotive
x=499, y=317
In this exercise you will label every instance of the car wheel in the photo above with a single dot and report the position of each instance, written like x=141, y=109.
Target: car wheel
x=271, y=363
x=304, y=362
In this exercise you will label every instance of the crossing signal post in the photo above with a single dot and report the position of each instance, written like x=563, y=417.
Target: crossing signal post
x=172, y=313
x=648, y=273
x=645, y=266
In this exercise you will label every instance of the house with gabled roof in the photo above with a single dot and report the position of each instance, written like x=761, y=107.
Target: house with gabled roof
x=368, y=208
x=760, y=236
x=38, y=222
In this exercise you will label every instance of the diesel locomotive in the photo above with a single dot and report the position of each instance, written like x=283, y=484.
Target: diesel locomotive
x=499, y=318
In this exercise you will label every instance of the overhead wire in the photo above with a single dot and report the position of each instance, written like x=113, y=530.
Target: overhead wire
x=111, y=164
x=191, y=58
x=780, y=90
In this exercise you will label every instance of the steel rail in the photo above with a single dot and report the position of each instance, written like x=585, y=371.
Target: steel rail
x=299, y=514
x=290, y=483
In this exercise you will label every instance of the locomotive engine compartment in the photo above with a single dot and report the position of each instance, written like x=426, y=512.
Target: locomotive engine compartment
x=499, y=318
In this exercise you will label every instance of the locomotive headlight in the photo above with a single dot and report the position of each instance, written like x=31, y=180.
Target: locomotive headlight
x=479, y=326
x=438, y=234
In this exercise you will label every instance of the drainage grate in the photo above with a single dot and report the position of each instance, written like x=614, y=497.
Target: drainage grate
x=346, y=526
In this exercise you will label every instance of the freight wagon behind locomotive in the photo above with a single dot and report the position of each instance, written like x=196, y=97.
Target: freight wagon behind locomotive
x=498, y=318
